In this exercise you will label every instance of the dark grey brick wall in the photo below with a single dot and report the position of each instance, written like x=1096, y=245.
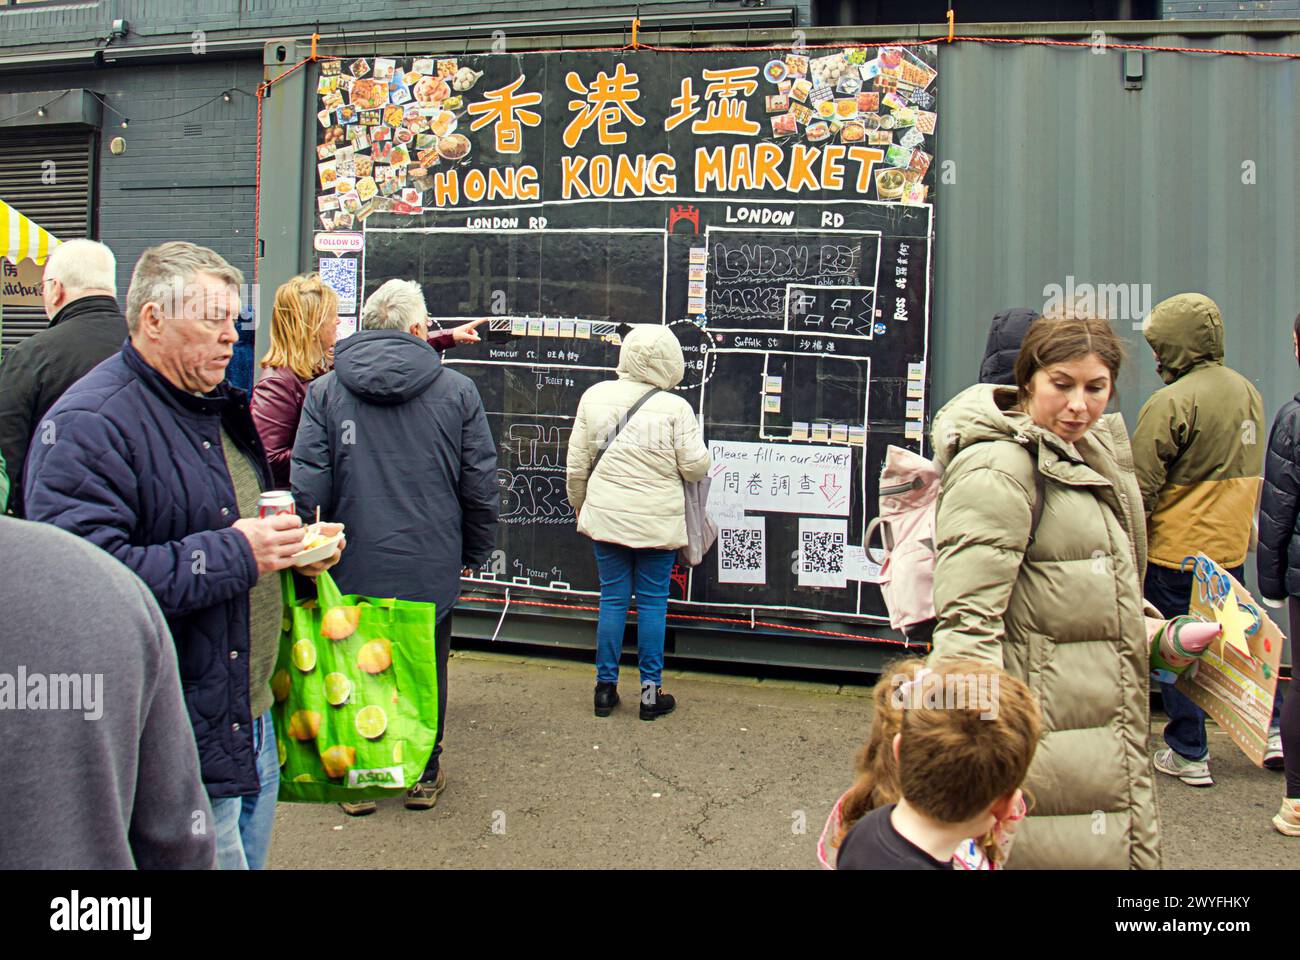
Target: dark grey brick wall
x=187, y=178
x=1229, y=9
x=154, y=21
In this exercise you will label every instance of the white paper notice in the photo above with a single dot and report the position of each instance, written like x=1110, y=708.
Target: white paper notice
x=857, y=566
x=742, y=551
x=782, y=478
x=346, y=327
x=821, y=552
x=725, y=507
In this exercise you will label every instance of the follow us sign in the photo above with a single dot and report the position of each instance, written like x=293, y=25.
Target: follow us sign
x=339, y=243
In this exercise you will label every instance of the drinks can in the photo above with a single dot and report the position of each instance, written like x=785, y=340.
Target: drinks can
x=272, y=502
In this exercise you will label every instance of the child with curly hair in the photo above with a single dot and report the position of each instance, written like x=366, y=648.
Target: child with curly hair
x=939, y=778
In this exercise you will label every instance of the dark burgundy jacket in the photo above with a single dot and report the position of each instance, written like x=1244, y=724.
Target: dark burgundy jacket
x=277, y=408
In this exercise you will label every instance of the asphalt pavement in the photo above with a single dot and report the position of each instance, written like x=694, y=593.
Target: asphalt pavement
x=742, y=775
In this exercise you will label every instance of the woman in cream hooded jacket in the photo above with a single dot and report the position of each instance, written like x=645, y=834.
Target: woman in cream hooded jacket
x=1063, y=614
x=636, y=498
x=633, y=504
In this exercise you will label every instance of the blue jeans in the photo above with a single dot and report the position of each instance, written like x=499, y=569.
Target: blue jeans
x=243, y=824
x=1171, y=591
x=620, y=568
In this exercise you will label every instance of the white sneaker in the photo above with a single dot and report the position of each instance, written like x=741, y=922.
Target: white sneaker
x=1287, y=820
x=1194, y=773
x=1273, y=752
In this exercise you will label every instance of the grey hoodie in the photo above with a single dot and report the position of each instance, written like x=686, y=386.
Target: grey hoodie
x=100, y=766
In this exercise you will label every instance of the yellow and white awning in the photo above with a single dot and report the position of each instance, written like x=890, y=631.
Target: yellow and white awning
x=22, y=238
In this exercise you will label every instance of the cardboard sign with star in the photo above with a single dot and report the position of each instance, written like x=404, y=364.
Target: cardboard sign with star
x=1236, y=677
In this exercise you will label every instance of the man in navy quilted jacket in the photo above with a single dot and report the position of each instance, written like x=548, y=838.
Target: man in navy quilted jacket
x=154, y=459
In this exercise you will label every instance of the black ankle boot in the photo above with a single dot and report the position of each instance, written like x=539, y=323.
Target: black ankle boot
x=606, y=698
x=656, y=703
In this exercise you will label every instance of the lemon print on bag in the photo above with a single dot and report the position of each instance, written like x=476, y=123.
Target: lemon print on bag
x=372, y=722
x=304, y=725
x=304, y=656
x=376, y=656
x=338, y=760
x=280, y=685
x=280, y=751
x=338, y=689
x=339, y=623
x=397, y=752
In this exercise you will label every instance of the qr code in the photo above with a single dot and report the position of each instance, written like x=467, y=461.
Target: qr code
x=823, y=551
x=741, y=549
x=340, y=275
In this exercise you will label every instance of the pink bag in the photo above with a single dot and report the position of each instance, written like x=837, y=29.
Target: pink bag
x=909, y=491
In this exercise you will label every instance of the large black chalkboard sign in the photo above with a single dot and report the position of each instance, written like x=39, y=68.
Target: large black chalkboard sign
x=774, y=209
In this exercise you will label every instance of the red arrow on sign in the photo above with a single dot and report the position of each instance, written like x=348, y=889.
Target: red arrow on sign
x=831, y=487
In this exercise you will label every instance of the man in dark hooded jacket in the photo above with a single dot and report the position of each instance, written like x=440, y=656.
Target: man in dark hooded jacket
x=1005, y=336
x=397, y=447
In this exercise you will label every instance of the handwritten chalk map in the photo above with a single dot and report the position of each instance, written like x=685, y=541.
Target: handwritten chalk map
x=789, y=253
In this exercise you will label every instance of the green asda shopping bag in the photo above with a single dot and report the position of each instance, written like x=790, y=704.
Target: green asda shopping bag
x=356, y=695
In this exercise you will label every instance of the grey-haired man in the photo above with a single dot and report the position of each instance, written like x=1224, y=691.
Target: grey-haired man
x=155, y=459
x=79, y=292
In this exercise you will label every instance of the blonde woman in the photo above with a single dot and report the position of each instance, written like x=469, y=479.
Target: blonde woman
x=304, y=322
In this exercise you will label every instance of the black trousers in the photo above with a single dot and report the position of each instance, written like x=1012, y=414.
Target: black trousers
x=442, y=645
x=1291, y=714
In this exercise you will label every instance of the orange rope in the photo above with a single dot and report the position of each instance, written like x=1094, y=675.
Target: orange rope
x=685, y=616
x=262, y=91
x=937, y=40
x=257, y=194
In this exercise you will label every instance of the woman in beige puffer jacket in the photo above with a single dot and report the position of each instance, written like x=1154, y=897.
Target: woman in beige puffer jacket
x=633, y=505
x=1063, y=613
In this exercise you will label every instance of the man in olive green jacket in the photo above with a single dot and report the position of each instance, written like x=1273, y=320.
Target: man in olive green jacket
x=1199, y=449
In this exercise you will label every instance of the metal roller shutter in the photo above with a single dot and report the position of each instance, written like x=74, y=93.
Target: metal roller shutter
x=62, y=207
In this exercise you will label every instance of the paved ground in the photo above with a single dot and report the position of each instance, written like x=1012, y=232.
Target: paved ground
x=742, y=775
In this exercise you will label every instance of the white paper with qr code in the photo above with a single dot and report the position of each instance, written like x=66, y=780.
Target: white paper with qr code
x=742, y=551
x=340, y=275
x=821, y=552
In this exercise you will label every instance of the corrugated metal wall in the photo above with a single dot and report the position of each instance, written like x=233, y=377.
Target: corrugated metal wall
x=1060, y=172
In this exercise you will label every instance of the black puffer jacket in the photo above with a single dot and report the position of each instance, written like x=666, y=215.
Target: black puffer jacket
x=39, y=369
x=1278, y=558
x=1005, y=335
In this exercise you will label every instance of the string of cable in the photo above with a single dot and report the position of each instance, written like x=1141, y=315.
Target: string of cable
x=224, y=94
